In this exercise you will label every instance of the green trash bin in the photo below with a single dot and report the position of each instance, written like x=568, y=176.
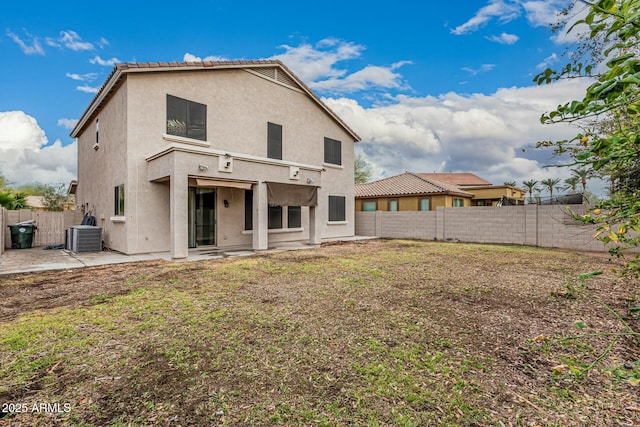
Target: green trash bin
x=22, y=235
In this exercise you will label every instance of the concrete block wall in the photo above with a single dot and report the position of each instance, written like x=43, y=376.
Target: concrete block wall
x=533, y=225
x=483, y=224
x=556, y=229
x=3, y=225
x=409, y=225
x=366, y=224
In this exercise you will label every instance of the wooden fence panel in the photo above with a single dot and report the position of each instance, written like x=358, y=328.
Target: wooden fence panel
x=51, y=226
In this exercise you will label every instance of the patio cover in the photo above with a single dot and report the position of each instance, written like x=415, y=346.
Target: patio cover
x=292, y=195
x=218, y=183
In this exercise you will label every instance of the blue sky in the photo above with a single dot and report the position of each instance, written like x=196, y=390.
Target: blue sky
x=429, y=86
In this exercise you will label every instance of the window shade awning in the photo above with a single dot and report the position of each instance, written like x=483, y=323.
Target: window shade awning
x=218, y=183
x=292, y=195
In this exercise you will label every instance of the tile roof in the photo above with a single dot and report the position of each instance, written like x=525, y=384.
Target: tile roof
x=462, y=179
x=407, y=184
x=117, y=76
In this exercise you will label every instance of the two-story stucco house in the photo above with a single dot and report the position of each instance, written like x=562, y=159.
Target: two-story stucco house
x=173, y=156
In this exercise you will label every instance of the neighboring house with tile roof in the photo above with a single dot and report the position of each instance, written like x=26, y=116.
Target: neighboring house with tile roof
x=422, y=192
x=459, y=179
x=484, y=193
x=409, y=192
x=180, y=155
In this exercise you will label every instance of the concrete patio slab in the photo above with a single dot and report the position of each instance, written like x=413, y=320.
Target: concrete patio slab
x=39, y=259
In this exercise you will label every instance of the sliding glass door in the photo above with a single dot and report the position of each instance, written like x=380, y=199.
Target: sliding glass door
x=202, y=217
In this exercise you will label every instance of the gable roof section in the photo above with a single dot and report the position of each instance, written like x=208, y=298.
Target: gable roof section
x=273, y=70
x=407, y=184
x=460, y=179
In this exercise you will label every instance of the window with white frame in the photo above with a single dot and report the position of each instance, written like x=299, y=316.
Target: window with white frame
x=337, y=208
x=186, y=118
x=332, y=151
x=274, y=141
x=118, y=197
x=277, y=215
x=294, y=216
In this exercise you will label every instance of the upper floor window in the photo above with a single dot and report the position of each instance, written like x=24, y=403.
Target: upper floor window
x=186, y=118
x=425, y=204
x=332, y=151
x=274, y=141
x=97, y=131
x=458, y=203
x=393, y=205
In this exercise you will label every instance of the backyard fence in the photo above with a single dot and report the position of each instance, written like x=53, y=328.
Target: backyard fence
x=2, y=227
x=51, y=226
x=550, y=226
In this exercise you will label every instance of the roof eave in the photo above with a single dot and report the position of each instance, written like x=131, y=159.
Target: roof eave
x=105, y=90
x=122, y=69
x=433, y=193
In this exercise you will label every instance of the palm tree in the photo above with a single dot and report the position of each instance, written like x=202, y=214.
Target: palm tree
x=12, y=200
x=583, y=175
x=572, y=183
x=531, y=187
x=510, y=183
x=550, y=183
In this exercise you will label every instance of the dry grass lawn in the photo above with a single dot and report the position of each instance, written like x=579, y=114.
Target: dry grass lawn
x=373, y=333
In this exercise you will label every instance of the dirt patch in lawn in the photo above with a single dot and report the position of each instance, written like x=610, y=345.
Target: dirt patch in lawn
x=367, y=333
x=20, y=293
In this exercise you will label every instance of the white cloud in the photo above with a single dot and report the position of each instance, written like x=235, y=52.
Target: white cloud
x=24, y=156
x=369, y=77
x=548, y=62
x=87, y=89
x=188, y=57
x=542, y=13
x=317, y=66
x=72, y=40
x=484, y=68
x=82, y=77
x=537, y=12
x=312, y=63
x=578, y=12
x=504, y=38
x=105, y=62
x=103, y=43
x=67, y=123
x=503, y=11
x=29, y=49
x=491, y=135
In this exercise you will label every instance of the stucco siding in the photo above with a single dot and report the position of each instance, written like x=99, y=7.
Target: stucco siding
x=101, y=169
x=239, y=105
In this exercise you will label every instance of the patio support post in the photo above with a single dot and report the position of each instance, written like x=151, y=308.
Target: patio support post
x=314, y=226
x=260, y=217
x=179, y=215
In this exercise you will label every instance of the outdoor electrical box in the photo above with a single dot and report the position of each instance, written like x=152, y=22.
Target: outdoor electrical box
x=84, y=238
